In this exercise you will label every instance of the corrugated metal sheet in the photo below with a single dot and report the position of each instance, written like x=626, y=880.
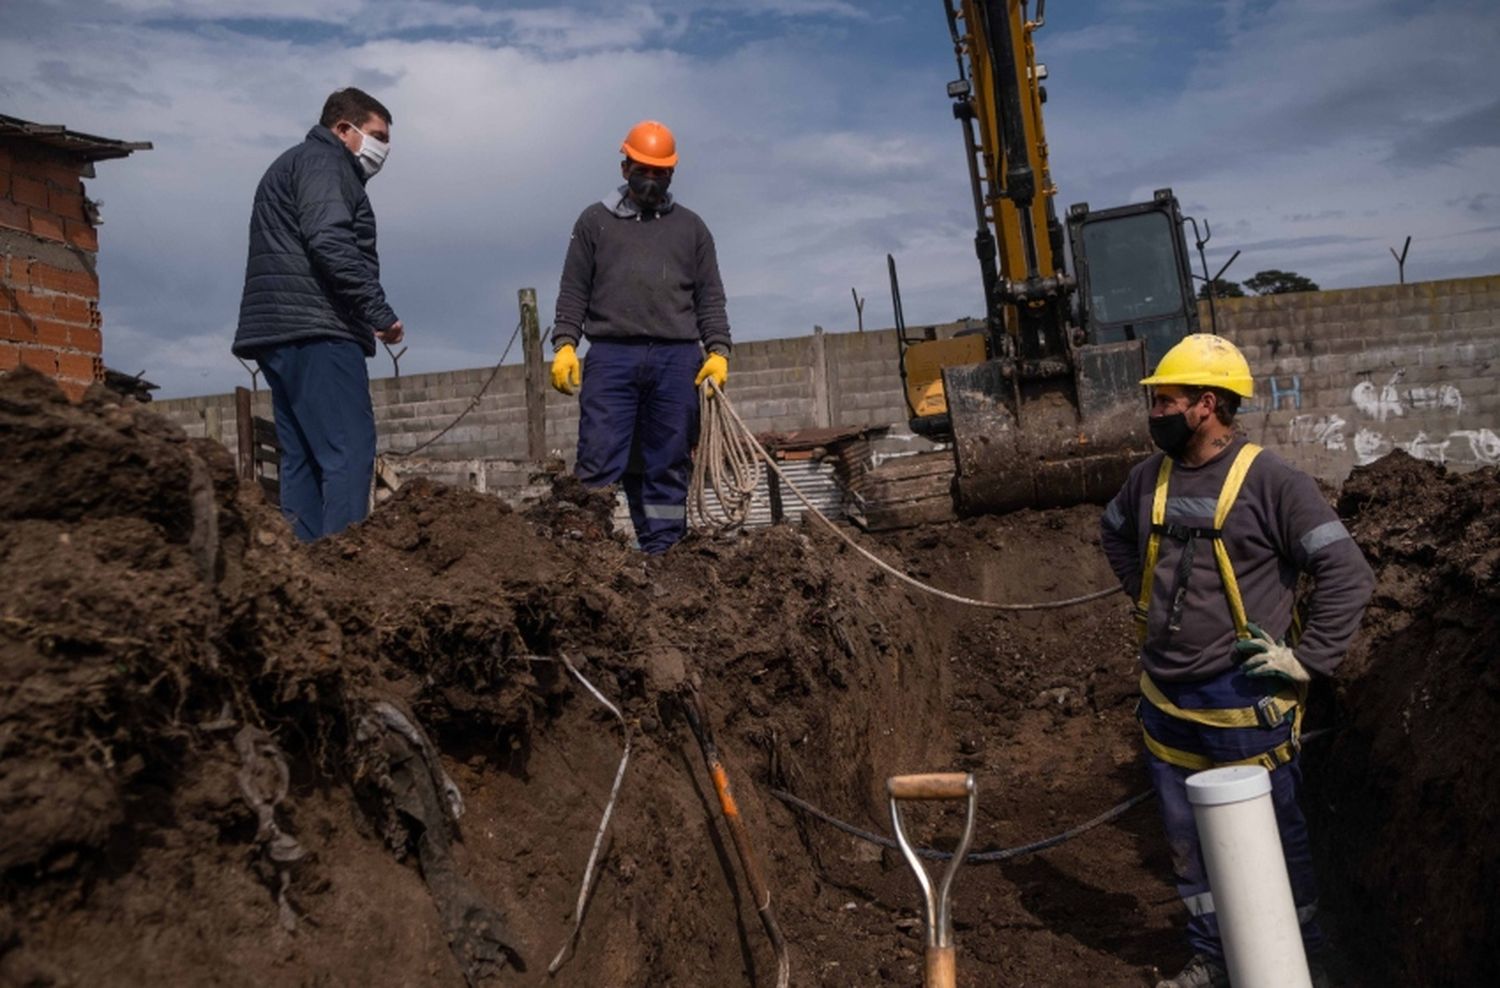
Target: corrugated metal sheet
x=815, y=478
x=85, y=146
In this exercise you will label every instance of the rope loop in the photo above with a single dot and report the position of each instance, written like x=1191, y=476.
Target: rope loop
x=731, y=461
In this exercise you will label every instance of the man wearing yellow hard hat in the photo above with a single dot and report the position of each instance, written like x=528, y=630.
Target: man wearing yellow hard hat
x=641, y=282
x=1209, y=537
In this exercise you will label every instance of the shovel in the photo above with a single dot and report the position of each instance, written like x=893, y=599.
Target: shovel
x=939, y=968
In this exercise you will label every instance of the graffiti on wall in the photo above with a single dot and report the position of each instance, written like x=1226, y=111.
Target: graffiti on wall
x=1281, y=393
x=1389, y=401
x=1464, y=447
x=1319, y=430
x=1382, y=405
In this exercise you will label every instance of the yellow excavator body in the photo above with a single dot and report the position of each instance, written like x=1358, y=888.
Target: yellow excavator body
x=1043, y=408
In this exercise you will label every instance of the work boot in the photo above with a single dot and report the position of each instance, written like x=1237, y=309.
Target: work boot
x=1201, y=972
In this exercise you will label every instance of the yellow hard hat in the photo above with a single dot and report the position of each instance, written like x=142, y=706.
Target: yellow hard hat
x=1204, y=360
x=650, y=143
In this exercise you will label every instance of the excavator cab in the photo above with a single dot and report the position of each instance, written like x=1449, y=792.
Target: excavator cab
x=1052, y=412
x=1133, y=274
x=1066, y=425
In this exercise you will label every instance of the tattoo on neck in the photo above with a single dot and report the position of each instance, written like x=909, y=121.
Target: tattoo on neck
x=1220, y=442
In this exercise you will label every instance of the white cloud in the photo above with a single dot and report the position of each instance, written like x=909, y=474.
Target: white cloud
x=808, y=157
x=1333, y=111
x=330, y=11
x=496, y=148
x=1095, y=38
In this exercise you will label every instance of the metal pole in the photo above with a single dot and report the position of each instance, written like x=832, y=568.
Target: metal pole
x=1401, y=259
x=253, y=371
x=395, y=359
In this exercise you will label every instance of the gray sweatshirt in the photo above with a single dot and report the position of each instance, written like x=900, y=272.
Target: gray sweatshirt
x=634, y=275
x=1279, y=526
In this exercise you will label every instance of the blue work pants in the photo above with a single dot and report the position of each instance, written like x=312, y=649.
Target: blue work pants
x=320, y=390
x=638, y=424
x=1230, y=690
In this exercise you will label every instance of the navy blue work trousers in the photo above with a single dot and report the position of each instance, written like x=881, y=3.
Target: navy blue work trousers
x=638, y=424
x=1220, y=745
x=320, y=390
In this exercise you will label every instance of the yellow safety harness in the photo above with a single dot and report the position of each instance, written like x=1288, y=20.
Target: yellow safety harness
x=1271, y=711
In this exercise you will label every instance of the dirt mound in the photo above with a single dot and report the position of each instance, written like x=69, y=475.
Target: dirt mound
x=230, y=758
x=215, y=738
x=1406, y=820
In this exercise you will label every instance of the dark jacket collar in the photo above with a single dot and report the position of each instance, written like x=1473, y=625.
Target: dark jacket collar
x=321, y=133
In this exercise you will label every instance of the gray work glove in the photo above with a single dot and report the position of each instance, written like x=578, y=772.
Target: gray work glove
x=1267, y=658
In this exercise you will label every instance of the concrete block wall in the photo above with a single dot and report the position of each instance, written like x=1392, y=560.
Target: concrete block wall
x=49, y=293
x=864, y=376
x=410, y=410
x=773, y=383
x=1344, y=377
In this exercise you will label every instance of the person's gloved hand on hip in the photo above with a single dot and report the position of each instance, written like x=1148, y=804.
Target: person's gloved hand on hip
x=1266, y=657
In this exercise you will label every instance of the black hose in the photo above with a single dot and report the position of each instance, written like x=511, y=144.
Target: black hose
x=974, y=857
x=999, y=854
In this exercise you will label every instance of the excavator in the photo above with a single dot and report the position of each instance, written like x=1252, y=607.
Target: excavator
x=1042, y=405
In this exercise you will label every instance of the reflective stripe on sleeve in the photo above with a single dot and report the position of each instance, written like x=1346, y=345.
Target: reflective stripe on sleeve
x=1323, y=536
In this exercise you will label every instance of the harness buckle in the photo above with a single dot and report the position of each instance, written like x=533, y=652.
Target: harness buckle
x=1265, y=713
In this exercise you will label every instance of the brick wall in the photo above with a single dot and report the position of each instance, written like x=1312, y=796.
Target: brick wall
x=1342, y=377
x=49, y=294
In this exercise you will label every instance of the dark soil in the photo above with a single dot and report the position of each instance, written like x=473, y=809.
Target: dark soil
x=158, y=614
x=1411, y=788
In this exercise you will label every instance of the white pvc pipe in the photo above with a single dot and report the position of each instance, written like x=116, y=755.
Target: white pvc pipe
x=1247, y=876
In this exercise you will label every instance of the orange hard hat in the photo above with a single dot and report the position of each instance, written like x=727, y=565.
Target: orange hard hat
x=651, y=143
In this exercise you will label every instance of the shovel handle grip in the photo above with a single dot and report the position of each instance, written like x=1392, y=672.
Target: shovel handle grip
x=930, y=785
x=940, y=971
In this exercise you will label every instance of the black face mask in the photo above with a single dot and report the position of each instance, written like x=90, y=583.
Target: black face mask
x=1171, y=433
x=647, y=190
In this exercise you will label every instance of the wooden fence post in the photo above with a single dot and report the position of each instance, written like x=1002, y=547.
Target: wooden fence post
x=244, y=422
x=536, y=377
x=823, y=416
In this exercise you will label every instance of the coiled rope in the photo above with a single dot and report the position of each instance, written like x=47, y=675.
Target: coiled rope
x=729, y=462
x=726, y=463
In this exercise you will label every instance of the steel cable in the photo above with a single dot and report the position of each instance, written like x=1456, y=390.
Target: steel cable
x=473, y=403
x=726, y=442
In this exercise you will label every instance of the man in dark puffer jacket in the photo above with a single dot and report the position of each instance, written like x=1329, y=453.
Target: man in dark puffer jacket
x=313, y=308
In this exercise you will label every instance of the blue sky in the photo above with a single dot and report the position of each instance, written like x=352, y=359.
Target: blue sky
x=815, y=137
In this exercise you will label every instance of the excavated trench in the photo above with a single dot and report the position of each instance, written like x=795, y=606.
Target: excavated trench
x=230, y=759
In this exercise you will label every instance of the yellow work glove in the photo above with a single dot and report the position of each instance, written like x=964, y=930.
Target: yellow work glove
x=566, y=376
x=716, y=367
x=1265, y=656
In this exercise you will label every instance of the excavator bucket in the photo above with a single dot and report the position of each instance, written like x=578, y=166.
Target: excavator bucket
x=1047, y=433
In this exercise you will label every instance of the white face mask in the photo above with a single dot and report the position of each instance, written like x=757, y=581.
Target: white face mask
x=371, y=154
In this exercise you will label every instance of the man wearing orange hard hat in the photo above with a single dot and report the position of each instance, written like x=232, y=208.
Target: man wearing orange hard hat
x=1209, y=538
x=641, y=282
